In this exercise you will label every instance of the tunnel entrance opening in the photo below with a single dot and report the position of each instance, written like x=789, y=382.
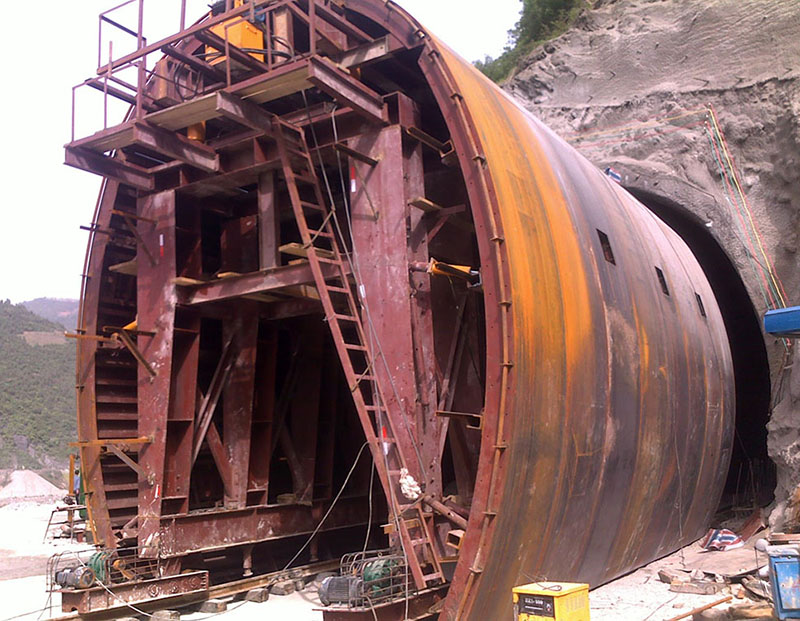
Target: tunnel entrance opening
x=752, y=475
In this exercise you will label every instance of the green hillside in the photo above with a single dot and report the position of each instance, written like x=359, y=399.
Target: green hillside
x=58, y=310
x=539, y=21
x=37, y=396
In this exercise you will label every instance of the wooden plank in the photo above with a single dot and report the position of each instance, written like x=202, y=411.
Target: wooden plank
x=473, y=421
x=288, y=79
x=128, y=268
x=106, y=139
x=425, y=205
x=267, y=281
x=188, y=113
x=296, y=249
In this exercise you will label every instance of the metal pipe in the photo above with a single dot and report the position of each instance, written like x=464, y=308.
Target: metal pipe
x=140, y=34
x=444, y=510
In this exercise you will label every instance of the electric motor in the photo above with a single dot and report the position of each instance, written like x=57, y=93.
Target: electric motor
x=81, y=577
x=340, y=589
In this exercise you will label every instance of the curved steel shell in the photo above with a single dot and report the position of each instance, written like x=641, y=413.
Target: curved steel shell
x=608, y=402
x=620, y=413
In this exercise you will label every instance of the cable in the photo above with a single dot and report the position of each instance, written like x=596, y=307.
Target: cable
x=356, y=269
x=330, y=509
x=369, y=520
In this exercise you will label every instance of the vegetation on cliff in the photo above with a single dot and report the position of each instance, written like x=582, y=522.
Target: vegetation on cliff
x=58, y=310
x=37, y=395
x=540, y=20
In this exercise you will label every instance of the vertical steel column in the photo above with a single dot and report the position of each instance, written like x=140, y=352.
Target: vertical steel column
x=238, y=399
x=304, y=410
x=268, y=222
x=382, y=251
x=263, y=412
x=156, y=313
x=431, y=427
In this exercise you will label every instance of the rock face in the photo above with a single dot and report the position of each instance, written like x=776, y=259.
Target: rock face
x=632, y=85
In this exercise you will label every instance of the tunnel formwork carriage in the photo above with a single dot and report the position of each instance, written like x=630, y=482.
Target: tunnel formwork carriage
x=329, y=255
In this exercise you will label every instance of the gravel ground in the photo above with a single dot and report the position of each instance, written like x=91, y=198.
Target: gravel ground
x=639, y=596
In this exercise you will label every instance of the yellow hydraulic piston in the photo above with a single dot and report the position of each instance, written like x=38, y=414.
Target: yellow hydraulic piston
x=440, y=268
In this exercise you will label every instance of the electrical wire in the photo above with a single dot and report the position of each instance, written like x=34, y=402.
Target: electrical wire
x=356, y=270
x=771, y=286
x=330, y=509
x=369, y=520
x=355, y=267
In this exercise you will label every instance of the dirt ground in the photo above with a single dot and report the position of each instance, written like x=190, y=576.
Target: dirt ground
x=639, y=596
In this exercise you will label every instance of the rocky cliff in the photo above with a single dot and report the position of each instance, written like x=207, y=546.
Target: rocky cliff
x=695, y=105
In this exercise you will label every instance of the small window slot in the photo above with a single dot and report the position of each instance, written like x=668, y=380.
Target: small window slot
x=662, y=281
x=608, y=253
x=700, y=304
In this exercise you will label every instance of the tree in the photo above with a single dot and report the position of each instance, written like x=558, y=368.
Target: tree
x=540, y=20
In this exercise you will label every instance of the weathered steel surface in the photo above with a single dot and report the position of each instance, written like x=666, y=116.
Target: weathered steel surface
x=606, y=410
x=97, y=598
x=621, y=413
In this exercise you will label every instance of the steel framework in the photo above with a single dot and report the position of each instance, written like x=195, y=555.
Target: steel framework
x=545, y=397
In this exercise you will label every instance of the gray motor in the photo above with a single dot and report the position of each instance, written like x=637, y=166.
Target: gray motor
x=340, y=590
x=75, y=577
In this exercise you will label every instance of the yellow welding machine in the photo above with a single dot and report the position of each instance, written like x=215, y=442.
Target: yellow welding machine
x=544, y=601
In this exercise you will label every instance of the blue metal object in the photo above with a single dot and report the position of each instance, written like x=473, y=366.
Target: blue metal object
x=784, y=576
x=783, y=322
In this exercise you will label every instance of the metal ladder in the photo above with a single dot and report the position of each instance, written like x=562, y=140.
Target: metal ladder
x=328, y=266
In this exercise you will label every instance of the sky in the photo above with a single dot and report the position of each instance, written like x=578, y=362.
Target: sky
x=49, y=51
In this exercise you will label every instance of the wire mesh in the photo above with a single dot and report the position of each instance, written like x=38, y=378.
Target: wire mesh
x=381, y=576
x=116, y=566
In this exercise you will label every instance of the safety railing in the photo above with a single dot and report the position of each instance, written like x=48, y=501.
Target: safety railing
x=111, y=78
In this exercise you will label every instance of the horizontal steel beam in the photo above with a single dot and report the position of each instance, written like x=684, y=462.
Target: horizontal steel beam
x=248, y=284
x=98, y=599
x=206, y=531
x=243, y=112
x=109, y=167
x=346, y=90
x=175, y=146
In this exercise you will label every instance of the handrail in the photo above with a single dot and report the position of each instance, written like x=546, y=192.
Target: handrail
x=146, y=49
x=137, y=94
